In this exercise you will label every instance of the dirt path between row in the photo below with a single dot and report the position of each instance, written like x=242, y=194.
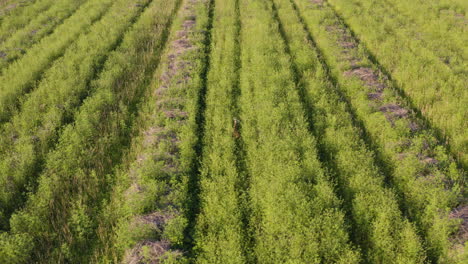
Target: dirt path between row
x=174, y=76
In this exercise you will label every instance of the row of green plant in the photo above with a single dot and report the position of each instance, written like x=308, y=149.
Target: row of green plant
x=151, y=203
x=42, y=25
x=377, y=224
x=221, y=234
x=441, y=24
x=296, y=215
x=60, y=221
x=429, y=64
x=21, y=76
x=31, y=133
x=433, y=27
x=423, y=174
x=18, y=14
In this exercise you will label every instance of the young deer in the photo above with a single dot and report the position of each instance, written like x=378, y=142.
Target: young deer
x=236, y=133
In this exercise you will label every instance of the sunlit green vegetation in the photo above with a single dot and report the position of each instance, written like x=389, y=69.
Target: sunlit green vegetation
x=22, y=75
x=42, y=25
x=419, y=166
x=426, y=55
x=233, y=131
x=15, y=14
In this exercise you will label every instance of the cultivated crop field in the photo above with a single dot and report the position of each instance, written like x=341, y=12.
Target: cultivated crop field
x=233, y=131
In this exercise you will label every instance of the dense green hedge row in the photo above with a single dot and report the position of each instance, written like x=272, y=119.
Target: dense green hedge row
x=377, y=224
x=28, y=137
x=152, y=200
x=220, y=232
x=429, y=63
x=296, y=216
x=62, y=216
x=425, y=177
x=42, y=25
x=21, y=76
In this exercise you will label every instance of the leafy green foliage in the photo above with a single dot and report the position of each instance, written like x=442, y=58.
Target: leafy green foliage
x=232, y=131
x=31, y=133
x=419, y=166
x=41, y=26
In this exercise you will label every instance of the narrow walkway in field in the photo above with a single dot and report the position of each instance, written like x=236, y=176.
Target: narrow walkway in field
x=422, y=171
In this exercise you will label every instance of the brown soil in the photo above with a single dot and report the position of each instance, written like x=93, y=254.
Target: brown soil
x=414, y=127
x=370, y=78
x=317, y=2
x=461, y=213
x=3, y=54
x=176, y=114
x=429, y=161
x=156, y=219
x=395, y=110
x=150, y=252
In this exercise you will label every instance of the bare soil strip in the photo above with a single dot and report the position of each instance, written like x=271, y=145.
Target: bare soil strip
x=162, y=143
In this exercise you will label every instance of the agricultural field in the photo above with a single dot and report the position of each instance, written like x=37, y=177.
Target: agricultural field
x=233, y=131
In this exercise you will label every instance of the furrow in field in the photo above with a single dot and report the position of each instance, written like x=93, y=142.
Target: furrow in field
x=42, y=25
x=422, y=172
x=425, y=78
x=22, y=75
x=34, y=130
x=296, y=216
x=372, y=208
x=150, y=206
x=222, y=225
x=17, y=14
x=74, y=179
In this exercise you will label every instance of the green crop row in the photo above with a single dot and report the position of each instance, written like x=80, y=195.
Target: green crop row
x=42, y=25
x=296, y=216
x=20, y=77
x=423, y=174
x=61, y=218
x=378, y=226
x=220, y=232
x=430, y=69
x=441, y=24
x=31, y=133
x=421, y=22
x=147, y=216
x=19, y=13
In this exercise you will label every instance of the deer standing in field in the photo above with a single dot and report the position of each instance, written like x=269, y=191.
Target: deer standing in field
x=236, y=133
